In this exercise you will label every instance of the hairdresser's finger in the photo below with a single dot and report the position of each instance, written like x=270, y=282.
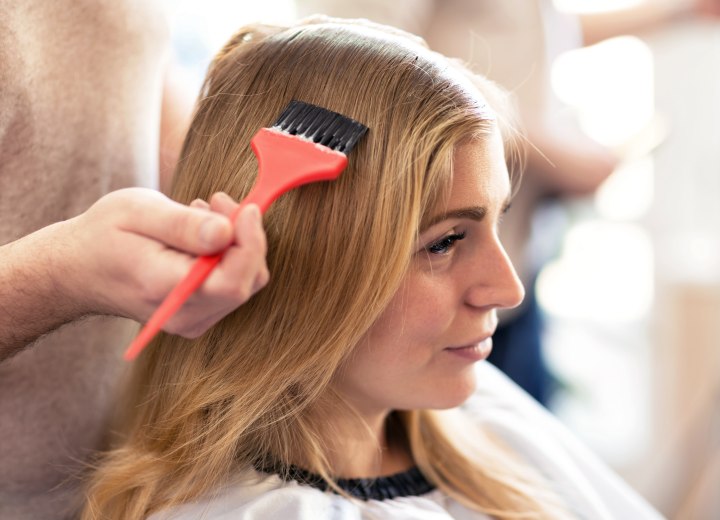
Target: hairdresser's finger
x=252, y=240
x=243, y=270
x=200, y=204
x=243, y=274
x=223, y=203
x=251, y=247
x=191, y=230
x=249, y=232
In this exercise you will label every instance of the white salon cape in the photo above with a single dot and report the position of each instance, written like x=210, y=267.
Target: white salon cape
x=588, y=488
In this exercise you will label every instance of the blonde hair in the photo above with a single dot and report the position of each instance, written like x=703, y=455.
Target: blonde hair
x=204, y=410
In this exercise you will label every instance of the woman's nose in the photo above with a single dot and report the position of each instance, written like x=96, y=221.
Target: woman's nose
x=494, y=281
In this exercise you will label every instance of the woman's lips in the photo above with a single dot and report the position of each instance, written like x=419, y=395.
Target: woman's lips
x=473, y=352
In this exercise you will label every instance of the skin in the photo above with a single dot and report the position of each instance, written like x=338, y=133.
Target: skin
x=77, y=262
x=421, y=351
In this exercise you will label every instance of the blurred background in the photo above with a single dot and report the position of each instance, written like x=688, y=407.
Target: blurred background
x=629, y=282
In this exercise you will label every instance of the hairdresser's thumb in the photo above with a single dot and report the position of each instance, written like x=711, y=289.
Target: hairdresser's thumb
x=193, y=230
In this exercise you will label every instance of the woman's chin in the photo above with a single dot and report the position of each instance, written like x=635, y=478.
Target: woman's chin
x=454, y=393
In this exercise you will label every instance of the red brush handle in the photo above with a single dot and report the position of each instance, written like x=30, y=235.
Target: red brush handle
x=284, y=162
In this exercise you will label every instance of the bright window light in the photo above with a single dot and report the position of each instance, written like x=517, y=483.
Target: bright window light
x=593, y=6
x=610, y=85
x=605, y=273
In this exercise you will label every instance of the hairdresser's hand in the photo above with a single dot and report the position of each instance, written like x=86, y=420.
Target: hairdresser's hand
x=134, y=245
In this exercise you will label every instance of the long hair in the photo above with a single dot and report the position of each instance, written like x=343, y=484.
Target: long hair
x=250, y=389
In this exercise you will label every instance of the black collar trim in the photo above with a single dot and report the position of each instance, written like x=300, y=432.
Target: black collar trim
x=408, y=483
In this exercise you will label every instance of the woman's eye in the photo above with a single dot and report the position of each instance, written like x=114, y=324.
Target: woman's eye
x=445, y=244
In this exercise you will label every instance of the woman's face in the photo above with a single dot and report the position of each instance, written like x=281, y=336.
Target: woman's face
x=421, y=351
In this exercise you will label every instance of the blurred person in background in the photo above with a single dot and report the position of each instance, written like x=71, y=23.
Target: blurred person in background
x=514, y=42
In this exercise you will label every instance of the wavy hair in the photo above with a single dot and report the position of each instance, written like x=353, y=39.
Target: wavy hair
x=249, y=391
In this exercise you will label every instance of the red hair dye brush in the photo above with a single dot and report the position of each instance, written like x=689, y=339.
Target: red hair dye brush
x=306, y=144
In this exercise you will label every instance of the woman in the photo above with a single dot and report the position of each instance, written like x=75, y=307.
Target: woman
x=333, y=393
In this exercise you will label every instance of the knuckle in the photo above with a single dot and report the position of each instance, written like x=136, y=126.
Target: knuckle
x=242, y=293
x=187, y=329
x=130, y=199
x=263, y=278
x=195, y=332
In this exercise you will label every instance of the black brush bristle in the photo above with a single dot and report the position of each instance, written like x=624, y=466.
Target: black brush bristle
x=320, y=125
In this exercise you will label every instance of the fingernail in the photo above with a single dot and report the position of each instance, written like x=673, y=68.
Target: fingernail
x=254, y=211
x=211, y=231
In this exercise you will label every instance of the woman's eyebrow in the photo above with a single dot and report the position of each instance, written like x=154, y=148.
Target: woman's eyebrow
x=476, y=213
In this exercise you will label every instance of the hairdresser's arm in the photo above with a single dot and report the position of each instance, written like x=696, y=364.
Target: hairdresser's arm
x=566, y=162
x=122, y=257
x=643, y=16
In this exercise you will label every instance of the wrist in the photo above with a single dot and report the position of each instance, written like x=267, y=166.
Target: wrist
x=71, y=277
x=55, y=270
x=34, y=300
